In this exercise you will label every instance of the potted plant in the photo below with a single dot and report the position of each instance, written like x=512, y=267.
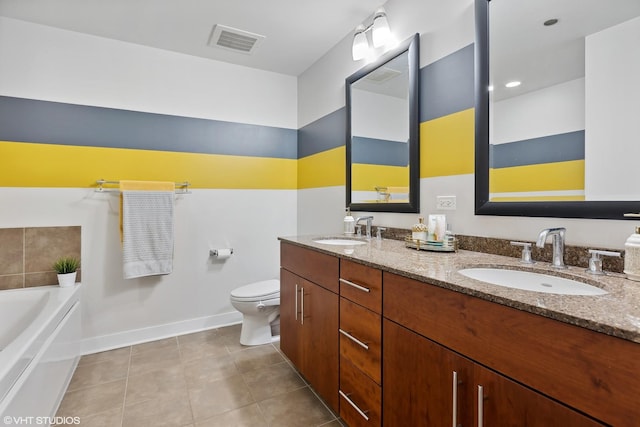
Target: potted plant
x=66, y=267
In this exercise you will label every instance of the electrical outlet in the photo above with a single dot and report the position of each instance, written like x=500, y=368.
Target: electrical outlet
x=446, y=203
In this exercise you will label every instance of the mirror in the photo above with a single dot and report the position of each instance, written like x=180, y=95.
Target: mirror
x=383, y=170
x=564, y=142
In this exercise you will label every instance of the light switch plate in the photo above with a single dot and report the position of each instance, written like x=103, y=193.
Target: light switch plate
x=446, y=203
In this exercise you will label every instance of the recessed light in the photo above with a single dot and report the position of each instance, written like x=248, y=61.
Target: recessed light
x=514, y=83
x=490, y=88
x=550, y=22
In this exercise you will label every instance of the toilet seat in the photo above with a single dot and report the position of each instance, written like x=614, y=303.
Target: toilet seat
x=258, y=291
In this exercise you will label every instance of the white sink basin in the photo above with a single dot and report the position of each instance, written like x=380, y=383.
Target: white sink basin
x=529, y=281
x=340, y=242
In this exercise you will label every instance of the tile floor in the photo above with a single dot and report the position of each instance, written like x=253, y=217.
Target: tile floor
x=205, y=379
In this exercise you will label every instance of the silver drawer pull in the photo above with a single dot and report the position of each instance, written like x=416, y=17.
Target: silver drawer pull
x=302, y=306
x=480, y=405
x=454, y=414
x=354, y=339
x=360, y=411
x=296, y=303
x=355, y=285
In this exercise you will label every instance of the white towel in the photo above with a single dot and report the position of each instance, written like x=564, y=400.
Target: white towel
x=147, y=225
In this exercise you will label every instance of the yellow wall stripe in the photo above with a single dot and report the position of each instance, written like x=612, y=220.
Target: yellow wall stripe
x=543, y=177
x=447, y=145
x=48, y=165
x=324, y=169
x=366, y=177
x=539, y=199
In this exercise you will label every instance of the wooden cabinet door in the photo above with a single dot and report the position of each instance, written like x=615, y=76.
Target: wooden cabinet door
x=290, y=326
x=502, y=402
x=319, y=311
x=418, y=386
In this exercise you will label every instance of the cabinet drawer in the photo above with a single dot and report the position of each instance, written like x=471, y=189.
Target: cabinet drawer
x=319, y=268
x=360, y=398
x=361, y=284
x=360, y=338
x=565, y=362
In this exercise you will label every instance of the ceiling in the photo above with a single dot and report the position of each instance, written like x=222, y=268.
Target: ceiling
x=523, y=49
x=298, y=32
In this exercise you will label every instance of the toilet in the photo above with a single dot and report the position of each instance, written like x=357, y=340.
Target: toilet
x=259, y=304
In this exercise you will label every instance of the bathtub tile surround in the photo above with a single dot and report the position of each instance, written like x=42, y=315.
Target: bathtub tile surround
x=27, y=254
x=11, y=250
x=205, y=379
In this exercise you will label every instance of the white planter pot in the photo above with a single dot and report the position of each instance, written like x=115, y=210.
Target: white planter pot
x=68, y=279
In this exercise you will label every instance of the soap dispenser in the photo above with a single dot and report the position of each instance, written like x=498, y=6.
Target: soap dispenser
x=349, y=223
x=632, y=256
x=419, y=230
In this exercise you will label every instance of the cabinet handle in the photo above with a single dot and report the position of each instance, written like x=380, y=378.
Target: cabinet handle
x=360, y=411
x=296, y=303
x=355, y=285
x=480, y=405
x=302, y=306
x=454, y=415
x=354, y=339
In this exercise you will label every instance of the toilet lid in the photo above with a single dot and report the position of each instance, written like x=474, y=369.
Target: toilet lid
x=265, y=289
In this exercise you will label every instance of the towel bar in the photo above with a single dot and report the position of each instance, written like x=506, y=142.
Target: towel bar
x=181, y=187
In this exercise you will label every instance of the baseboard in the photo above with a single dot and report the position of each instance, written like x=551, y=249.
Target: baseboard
x=152, y=333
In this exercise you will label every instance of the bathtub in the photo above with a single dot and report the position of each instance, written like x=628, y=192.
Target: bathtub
x=39, y=348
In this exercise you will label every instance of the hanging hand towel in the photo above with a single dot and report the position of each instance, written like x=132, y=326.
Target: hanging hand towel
x=147, y=227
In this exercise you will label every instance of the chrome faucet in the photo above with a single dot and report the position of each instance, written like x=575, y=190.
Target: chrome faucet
x=369, y=221
x=558, y=244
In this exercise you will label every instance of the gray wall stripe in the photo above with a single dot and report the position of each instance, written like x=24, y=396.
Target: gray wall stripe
x=25, y=120
x=323, y=134
x=547, y=149
x=447, y=85
x=379, y=152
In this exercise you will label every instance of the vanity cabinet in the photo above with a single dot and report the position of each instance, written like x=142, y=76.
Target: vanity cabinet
x=309, y=317
x=360, y=344
x=429, y=385
x=511, y=367
x=384, y=349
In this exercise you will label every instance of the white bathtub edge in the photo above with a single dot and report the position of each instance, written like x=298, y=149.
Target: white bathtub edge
x=153, y=333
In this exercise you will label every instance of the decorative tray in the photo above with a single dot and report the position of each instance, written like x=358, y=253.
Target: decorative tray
x=423, y=245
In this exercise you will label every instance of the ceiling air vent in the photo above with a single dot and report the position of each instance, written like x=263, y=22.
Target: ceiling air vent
x=382, y=75
x=234, y=39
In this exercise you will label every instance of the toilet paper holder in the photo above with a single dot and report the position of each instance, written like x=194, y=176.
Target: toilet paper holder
x=215, y=253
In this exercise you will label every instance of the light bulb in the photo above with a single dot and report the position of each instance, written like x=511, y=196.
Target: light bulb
x=381, y=32
x=360, y=44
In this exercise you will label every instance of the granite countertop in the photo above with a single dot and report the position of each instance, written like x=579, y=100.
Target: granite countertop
x=616, y=313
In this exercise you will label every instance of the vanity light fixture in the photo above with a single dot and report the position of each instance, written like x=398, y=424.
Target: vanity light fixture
x=380, y=35
x=514, y=83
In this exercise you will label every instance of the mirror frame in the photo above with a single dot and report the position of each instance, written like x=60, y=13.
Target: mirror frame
x=569, y=209
x=412, y=47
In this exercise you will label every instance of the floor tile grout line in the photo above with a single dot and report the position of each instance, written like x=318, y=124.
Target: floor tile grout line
x=225, y=343
x=126, y=386
x=184, y=376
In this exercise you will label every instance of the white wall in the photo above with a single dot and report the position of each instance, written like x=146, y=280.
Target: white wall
x=40, y=62
x=43, y=63
x=379, y=116
x=613, y=112
x=549, y=111
x=321, y=91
